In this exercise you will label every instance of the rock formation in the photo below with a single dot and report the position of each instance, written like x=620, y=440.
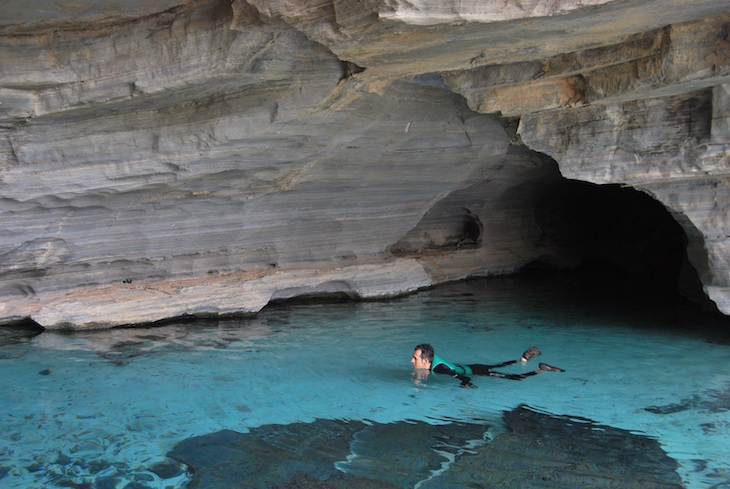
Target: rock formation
x=207, y=157
x=535, y=450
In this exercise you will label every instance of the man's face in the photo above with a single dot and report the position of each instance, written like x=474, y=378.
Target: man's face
x=419, y=362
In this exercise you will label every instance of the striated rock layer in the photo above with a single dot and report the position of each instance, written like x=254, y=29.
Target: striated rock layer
x=214, y=156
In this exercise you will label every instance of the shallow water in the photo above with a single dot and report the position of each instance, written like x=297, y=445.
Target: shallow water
x=103, y=409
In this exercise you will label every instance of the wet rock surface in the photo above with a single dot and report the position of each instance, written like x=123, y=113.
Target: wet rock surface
x=532, y=450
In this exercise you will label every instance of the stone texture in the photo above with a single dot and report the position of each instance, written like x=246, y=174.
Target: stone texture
x=160, y=159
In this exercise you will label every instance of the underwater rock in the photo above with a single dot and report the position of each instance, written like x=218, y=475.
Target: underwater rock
x=537, y=450
x=166, y=469
x=712, y=401
x=325, y=453
x=546, y=451
x=268, y=456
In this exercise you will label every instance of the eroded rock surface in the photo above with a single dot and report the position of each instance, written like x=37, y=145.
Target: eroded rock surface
x=208, y=157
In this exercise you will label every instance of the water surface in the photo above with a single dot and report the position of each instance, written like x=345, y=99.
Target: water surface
x=103, y=409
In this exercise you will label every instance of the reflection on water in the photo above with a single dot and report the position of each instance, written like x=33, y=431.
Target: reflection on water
x=120, y=346
x=106, y=408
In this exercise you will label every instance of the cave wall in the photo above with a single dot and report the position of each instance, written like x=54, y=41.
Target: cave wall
x=207, y=157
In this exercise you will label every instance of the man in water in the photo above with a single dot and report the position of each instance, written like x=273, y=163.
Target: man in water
x=424, y=361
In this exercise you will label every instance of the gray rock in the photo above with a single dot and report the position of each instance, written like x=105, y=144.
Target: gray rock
x=195, y=158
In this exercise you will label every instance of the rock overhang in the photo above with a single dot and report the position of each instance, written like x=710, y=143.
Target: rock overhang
x=217, y=139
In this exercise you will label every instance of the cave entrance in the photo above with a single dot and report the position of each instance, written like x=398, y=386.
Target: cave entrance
x=619, y=235
x=608, y=238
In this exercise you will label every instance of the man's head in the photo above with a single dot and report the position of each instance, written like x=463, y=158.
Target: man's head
x=422, y=356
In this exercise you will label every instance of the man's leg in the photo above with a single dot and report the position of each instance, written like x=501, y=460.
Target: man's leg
x=528, y=354
x=479, y=369
x=514, y=376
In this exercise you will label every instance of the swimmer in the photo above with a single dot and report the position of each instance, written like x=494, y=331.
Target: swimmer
x=424, y=361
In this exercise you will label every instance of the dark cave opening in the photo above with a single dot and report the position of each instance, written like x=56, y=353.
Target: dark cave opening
x=619, y=237
x=471, y=230
x=608, y=237
x=445, y=228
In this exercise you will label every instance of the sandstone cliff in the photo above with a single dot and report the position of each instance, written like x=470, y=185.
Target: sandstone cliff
x=209, y=156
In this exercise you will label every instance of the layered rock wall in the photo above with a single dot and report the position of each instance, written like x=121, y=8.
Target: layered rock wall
x=213, y=156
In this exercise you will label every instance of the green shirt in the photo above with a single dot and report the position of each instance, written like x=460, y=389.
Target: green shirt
x=455, y=367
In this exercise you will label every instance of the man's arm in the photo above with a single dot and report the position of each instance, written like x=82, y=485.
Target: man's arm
x=445, y=369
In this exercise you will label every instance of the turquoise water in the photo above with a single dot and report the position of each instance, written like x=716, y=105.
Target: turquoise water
x=102, y=409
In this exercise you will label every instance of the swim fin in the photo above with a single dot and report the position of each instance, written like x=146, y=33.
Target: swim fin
x=544, y=367
x=530, y=353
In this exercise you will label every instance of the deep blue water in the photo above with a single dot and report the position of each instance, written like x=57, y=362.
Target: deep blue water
x=103, y=409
